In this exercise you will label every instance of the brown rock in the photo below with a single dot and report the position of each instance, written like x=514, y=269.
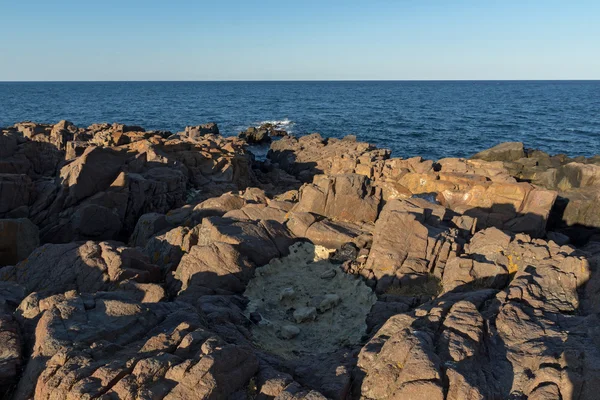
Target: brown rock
x=61, y=133
x=348, y=198
x=217, y=206
x=254, y=135
x=509, y=151
x=310, y=155
x=31, y=129
x=194, y=132
x=87, y=267
x=148, y=225
x=577, y=175
x=107, y=345
x=260, y=241
x=213, y=266
x=518, y=207
x=408, y=244
x=90, y=173
x=166, y=249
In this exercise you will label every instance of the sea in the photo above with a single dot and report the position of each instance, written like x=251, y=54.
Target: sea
x=432, y=119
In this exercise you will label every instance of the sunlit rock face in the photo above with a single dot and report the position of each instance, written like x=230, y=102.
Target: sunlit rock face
x=303, y=304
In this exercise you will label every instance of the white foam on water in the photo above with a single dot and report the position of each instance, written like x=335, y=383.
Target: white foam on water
x=285, y=124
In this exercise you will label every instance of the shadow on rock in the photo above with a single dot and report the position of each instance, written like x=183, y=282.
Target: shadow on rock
x=514, y=319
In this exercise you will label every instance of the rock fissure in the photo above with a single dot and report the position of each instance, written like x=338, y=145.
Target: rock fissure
x=463, y=278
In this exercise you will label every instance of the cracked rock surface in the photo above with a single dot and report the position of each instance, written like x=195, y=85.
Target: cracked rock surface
x=142, y=264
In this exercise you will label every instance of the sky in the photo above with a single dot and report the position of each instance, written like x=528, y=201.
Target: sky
x=97, y=40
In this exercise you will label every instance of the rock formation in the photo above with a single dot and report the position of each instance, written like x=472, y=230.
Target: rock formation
x=146, y=264
x=261, y=134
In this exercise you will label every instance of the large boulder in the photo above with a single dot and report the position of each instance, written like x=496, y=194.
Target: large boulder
x=8, y=145
x=194, y=132
x=259, y=240
x=508, y=151
x=254, y=135
x=578, y=175
x=578, y=213
x=215, y=267
x=413, y=240
x=474, y=169
x=112, y=211
x=226, y=253
x=24, y=156
x=327, y=233
x=518, y=207
x=576, y=180
x=348, y=197
x=208, y=161
x=90, y=173
x=487, y=261
x=63, y=132
x=166, y=249
x=18, y=238
x=146, y=227
x=218, y=206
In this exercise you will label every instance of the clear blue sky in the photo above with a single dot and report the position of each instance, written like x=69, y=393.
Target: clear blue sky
x=300, y=39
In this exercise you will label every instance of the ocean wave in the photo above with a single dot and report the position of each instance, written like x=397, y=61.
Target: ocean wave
x=582, y=131
x=284, y=124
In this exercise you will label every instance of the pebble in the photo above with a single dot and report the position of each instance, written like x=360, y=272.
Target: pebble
x=304, y=314
x=330, y=274
x=289, y=332
x=329, y=301
x=287, y=293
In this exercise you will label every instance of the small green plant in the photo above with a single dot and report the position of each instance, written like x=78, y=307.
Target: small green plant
x=251, y=389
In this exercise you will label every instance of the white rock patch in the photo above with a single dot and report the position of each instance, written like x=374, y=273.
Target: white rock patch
x=306, y=304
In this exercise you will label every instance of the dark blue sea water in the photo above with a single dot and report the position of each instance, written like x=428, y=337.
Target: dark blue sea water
x=431, y=119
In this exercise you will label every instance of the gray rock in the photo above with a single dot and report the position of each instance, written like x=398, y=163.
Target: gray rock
x=305, y=314
x=289, y=332
x=287, y=294
x=18, y=238
x=558, y=238
x=329, y=301
x=15, y=191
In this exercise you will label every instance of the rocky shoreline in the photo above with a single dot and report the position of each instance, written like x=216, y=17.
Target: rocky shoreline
x=127, y=258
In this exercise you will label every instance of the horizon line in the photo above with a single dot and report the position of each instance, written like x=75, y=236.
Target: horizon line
x=303, y=80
